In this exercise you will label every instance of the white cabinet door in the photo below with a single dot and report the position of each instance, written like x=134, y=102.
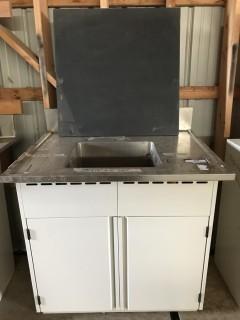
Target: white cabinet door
x=73, y=263
x=164, y=262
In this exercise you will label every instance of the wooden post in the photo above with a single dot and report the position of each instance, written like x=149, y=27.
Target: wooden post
x=228, y=64
x=170, y=3
x=5, y=9
x=46, y=62
x=104, y=4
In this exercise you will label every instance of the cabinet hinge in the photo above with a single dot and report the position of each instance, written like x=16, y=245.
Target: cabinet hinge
x=200, y=297
x=39, y=300
x=28, y=234
x=207, y=232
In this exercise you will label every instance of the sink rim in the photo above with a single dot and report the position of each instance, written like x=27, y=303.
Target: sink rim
x=144, y=152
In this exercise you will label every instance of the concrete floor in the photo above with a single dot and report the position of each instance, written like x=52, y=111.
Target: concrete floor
x=18, y=302
x=218, y=304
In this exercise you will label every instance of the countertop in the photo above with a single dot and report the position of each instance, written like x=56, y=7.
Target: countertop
x=46, y=161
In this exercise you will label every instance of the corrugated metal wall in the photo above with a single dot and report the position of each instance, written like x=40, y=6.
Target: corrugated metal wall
x=201, y=30
x=200, y=42
x=17, y=73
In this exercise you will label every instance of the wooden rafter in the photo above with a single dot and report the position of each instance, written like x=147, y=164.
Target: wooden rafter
x=28, y=55
x=228, y=62
x=115, y=3
x=43, y=33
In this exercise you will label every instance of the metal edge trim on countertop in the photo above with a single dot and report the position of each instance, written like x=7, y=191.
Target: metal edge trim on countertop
x=14, y=178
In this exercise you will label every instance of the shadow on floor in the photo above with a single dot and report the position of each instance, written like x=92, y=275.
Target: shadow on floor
x=219, y=304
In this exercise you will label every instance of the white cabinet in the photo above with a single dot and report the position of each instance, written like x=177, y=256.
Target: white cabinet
x=73, y=263
x=165, y=199
x=164, y=262
x=49, y=200
x=118, y=246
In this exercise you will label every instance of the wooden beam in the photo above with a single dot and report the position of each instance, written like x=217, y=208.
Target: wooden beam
x=185, y=93
x=8, y=107
x=200, y=3
x=24, y=94
x=198, y=93
x=228, y=62
x=43, y=32
x=28, y=55
x=116, y=3
x=5, y=9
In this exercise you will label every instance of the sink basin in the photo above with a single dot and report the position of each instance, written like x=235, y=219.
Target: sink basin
x=114, y=154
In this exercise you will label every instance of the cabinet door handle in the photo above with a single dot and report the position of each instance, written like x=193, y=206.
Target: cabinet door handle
x=112, y=235
x=122, y=234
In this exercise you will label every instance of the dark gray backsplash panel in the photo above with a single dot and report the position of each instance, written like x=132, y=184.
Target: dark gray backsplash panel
x=117, y=71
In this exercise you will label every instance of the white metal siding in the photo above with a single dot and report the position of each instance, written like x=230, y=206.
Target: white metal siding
x=17, y=73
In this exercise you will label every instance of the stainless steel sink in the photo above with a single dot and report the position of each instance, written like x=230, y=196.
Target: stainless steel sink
x=116, y=154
